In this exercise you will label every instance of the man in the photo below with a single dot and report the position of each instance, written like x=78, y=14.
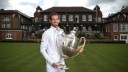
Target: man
x=51, y=45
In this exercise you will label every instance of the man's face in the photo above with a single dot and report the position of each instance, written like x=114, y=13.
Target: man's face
x=55, y=20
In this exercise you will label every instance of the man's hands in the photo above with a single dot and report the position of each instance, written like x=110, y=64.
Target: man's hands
x=55, y=65
x=80, y=50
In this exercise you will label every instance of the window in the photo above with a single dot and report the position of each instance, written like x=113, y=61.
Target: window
x=83, y=17
x=77, y=18
x=23, y=27
x=5, y=19
x=20, y=27
x=38, y=11
x=3, y=25
x=84, y=28
x=89, y=28
x=123, y=37
x=63, y=17
x=70, y=17
x=123, y=27
x=45, y=18
x=9, y=36
x=89, y=17
x=99, y=19
x=36, y=19
x=115, y=37
x=30, y=28
x=115, y=27
x=8, y=26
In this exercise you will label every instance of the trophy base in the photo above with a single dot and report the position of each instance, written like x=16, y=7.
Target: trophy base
x=62, y=66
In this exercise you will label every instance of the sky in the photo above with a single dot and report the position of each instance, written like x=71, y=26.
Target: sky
x=28, y=7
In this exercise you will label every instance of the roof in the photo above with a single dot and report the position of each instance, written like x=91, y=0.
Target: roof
x=123, y=11
x=96, y=7
x=7, y=11
x=2, y=11
x=68, y=9
x=111, y=14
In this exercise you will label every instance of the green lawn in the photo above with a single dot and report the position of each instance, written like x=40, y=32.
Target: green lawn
x=26, y=57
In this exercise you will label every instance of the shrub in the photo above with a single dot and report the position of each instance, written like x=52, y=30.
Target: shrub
x=18, y=41
x=81, y=34
x=110, y=41
x=97, y=35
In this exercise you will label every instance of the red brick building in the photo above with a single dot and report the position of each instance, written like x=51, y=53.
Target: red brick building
x=116, y=27
x=14, y=25
x=86, y=20
x=37, y=15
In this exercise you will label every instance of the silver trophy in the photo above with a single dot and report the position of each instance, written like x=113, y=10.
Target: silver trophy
x=70, y=45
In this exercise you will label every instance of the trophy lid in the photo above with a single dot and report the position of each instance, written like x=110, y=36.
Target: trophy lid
x=74, y=30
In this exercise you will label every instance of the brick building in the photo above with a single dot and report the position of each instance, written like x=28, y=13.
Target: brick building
x=14, y=25
x=116, y=27
x=86, y=20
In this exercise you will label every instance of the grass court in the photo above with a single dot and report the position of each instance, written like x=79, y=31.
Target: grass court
x=26, y=57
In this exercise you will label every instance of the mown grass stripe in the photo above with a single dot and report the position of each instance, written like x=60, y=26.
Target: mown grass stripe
x=107, y=58
x=21, y=62
x=95, y=58
x=16, y=57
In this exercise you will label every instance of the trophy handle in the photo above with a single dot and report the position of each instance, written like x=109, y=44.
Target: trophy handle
x=82, y=39
x=79, y=45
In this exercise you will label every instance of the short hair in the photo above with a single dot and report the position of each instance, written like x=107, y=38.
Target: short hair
x=51, y=14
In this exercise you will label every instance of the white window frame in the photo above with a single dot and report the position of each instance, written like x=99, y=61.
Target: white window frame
x=123, y=37
x=63, y=17
x=89, y=28
x=30, y=28
x=70, y=17
x=5, y=19
x=77, y=18
x=8, y=26
x=115, y=36
x=83, y=17
x=9, y=36
x=115, y=27
x=99, y=19
x=45, y=18
x=3, y=25
x=20, y=27
x=23, y=27
x=90, y=17
x=36, y=19
x=123, y=27
x=38, y=11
